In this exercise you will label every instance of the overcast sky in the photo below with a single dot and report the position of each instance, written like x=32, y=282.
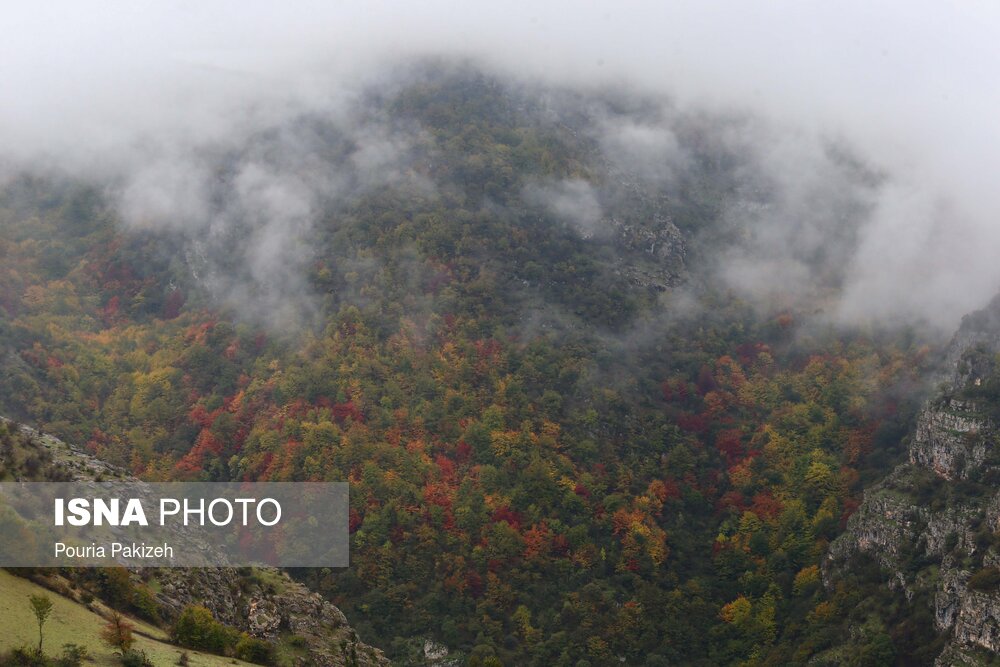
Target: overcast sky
x=913, y=84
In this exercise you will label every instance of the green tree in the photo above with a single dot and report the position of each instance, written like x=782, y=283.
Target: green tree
x=41, y=607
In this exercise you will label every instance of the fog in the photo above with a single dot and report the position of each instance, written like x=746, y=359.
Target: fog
x=138, y=92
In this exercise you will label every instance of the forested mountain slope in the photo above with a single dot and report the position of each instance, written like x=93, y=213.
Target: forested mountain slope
x=571, y=438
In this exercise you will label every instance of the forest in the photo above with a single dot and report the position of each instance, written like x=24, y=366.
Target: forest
x=564, y=447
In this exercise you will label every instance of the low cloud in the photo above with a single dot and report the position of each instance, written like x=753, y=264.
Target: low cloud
x=650, y=151
x=572, y=201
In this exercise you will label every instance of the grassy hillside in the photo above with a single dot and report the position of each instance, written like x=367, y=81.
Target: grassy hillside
x=72, y=622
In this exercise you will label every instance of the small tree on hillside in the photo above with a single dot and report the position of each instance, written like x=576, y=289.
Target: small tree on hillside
x=41, y=607
x=118, y=633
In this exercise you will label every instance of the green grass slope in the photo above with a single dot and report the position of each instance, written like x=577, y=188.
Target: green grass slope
x=72, y=622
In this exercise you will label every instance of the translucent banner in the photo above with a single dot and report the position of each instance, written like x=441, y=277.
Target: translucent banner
x=176, y=524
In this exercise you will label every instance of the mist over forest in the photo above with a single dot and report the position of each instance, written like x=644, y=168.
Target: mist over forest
x=183, y=86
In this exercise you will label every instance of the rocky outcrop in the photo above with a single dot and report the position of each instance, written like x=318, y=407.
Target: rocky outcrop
x=881, y=527
x=266, y=603
x=932, y=524
x=657, y=249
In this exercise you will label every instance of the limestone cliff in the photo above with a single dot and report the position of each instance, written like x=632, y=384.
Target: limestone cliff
x=933, y=524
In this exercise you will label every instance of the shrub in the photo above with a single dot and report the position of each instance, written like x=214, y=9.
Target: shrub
x=255, y=650
x=136, y=658
x=22, y=657
x=196, y=628
x=73, y=656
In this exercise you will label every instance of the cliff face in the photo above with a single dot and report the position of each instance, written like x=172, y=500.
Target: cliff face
x=933, y=524
x=949, y=440
x=263, y=602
